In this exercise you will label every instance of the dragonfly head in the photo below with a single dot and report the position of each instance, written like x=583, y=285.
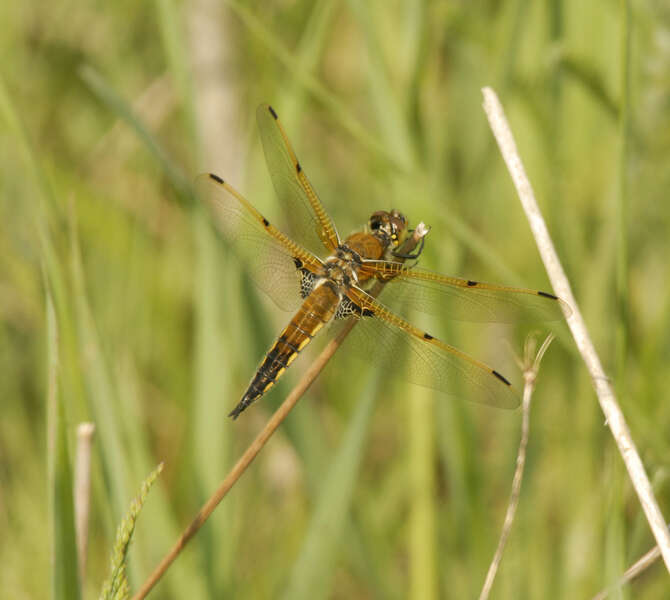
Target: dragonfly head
x=389, y=226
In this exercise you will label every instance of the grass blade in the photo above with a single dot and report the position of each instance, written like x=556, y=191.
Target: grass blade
x=64, y=573
x=422, y=520
x=315, y=566
x=124, y=111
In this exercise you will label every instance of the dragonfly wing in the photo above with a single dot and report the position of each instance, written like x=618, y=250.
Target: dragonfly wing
x=381, y=337
x=462, y=299
x=308, y=222
x=274, y=262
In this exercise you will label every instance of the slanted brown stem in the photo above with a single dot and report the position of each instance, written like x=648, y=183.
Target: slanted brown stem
x=261, y=439
x=603, y=387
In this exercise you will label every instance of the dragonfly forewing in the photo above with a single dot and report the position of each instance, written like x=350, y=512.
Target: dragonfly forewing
x=307, y=221
x=269, y=257
x=421, y=290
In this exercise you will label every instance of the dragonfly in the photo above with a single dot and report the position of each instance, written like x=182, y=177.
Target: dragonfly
x=308, y=269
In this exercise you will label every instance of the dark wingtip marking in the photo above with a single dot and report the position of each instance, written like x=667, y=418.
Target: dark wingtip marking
x=368, y=313
x=547, y=295
x=215, y=178
x=471, y=283
x=272, y=112
x=427, y=336
x=298, y=167
x=499, y=376
x=266, y=222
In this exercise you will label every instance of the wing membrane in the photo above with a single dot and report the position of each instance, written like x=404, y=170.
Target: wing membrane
x=401, y=349
x=461, y=299
x=308, y=222
x=269, y=256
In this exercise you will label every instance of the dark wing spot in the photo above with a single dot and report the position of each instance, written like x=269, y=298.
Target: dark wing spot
x=298, y=168
x=297, y=262
x=547, y=295
x=272, y=112
x=368, y=313
x=266, y=222
x=427, y=336
x=471, y=283
x=499, y=376
x=215, y=178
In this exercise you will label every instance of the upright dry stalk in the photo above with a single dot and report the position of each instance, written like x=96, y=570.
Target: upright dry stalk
x=82, y=492
x=530, y=367
x=603, y=387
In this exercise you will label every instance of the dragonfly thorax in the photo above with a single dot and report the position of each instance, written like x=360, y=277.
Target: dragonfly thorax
x=341, y=268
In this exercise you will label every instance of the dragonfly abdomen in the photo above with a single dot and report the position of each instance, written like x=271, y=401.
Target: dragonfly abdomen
x=317, y=310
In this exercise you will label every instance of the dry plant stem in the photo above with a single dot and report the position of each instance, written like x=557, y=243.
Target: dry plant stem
x=640, y=565
x=530, y=376
x=261, y=439
x=601, y=382
x=242, y=464
x=82, y=492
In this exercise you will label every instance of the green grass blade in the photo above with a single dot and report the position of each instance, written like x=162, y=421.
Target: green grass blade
x=212, y=431
x=43, y=207
x=623, y=210
x=315, y=566
x=176, y=55
x=124, y=111
x=64, y=561
x=309, y=54
x=422, y=519
x=388, y=110
x=591, y=79
x=98, y=381
x=338, y=110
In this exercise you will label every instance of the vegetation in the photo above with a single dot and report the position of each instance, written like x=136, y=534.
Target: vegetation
x=120, y=305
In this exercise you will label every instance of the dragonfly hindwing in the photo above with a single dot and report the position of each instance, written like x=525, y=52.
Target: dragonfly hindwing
x=307, y=279
x=347, y=308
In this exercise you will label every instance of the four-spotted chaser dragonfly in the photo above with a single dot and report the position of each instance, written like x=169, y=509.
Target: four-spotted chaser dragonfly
x=310, y=270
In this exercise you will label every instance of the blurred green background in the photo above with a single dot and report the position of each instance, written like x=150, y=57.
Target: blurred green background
x=113, y=282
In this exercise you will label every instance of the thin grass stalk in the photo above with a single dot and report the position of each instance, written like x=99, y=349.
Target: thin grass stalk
x=601, y=383
x=530, y=368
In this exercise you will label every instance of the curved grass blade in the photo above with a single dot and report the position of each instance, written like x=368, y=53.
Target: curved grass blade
x=64, y=574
